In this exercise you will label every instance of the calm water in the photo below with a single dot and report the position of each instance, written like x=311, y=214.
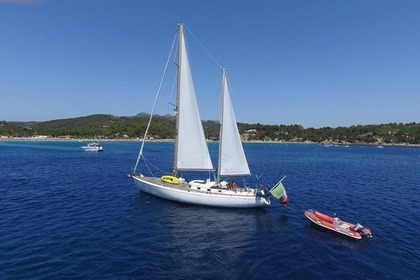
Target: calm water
x=75, y=215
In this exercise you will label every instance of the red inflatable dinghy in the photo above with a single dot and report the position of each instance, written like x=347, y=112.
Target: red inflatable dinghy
x=335, y=224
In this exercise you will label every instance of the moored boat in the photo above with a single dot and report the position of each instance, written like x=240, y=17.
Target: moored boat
x=335, y=224
x=92, y=147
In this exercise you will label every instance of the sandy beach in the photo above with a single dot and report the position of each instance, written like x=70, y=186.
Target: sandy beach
x=69, y=139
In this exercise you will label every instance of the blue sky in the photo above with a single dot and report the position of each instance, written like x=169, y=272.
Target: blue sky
x=313, y=63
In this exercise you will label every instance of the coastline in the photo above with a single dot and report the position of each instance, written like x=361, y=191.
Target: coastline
x=326, y=144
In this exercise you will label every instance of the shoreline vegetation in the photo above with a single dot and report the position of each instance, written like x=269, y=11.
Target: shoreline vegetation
x=326, y=144
x=103, y=127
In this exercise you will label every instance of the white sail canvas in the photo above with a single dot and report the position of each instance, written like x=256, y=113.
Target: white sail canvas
x=232, y=160
x=192, y=151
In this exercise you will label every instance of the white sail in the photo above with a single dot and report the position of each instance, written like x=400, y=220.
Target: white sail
x=232, y=160
x=191, y=148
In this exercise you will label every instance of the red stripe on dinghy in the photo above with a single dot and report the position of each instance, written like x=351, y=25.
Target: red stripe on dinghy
x=323, y=217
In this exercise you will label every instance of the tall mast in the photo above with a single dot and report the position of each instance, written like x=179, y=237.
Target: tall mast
x=180, y=42
x=221, y=124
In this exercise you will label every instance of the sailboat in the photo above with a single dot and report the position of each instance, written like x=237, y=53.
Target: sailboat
x=192, y=154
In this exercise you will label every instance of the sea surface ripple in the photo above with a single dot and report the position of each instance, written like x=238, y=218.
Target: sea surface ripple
x=67, y=214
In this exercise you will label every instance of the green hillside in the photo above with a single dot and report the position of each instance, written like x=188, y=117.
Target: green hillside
x=163, y=127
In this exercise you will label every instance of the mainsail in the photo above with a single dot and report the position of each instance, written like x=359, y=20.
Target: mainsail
x=191, y=152
x=232, y=160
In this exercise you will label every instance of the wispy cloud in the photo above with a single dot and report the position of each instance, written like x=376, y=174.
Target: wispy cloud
x=21, y=2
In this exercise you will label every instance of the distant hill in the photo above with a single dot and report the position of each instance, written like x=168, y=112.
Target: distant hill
x=163, y=127
x=23, y=123
x=139, y=115
x=100, y=125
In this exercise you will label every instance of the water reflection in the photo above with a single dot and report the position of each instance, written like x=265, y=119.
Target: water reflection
x=193, y=238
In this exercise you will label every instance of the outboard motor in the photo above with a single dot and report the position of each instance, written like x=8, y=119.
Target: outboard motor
x=262, y=191
x=364, y=232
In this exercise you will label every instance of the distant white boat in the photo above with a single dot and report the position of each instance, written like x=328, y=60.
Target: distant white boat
x=92, y=147
x=380, y=147
x=192, y=154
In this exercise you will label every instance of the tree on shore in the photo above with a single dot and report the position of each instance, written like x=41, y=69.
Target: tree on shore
x=163, y=127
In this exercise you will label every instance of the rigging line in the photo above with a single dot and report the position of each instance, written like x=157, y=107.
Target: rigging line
x=173, y=90
x=208, y=53
x=174, y=84
x=147, y=162
x=154, y=105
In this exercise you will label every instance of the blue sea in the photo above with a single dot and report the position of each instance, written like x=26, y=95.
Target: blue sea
x=68, y=214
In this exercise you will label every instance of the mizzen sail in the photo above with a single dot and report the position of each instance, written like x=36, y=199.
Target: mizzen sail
x=232, y=160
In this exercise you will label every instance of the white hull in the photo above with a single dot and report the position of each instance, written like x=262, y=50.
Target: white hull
x=183, y=193
x=90, y=149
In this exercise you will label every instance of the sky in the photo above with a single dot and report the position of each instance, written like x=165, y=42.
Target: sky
x=313, y=63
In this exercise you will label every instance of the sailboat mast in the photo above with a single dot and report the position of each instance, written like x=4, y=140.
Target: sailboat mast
x=221, y=124
x=180, y=41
